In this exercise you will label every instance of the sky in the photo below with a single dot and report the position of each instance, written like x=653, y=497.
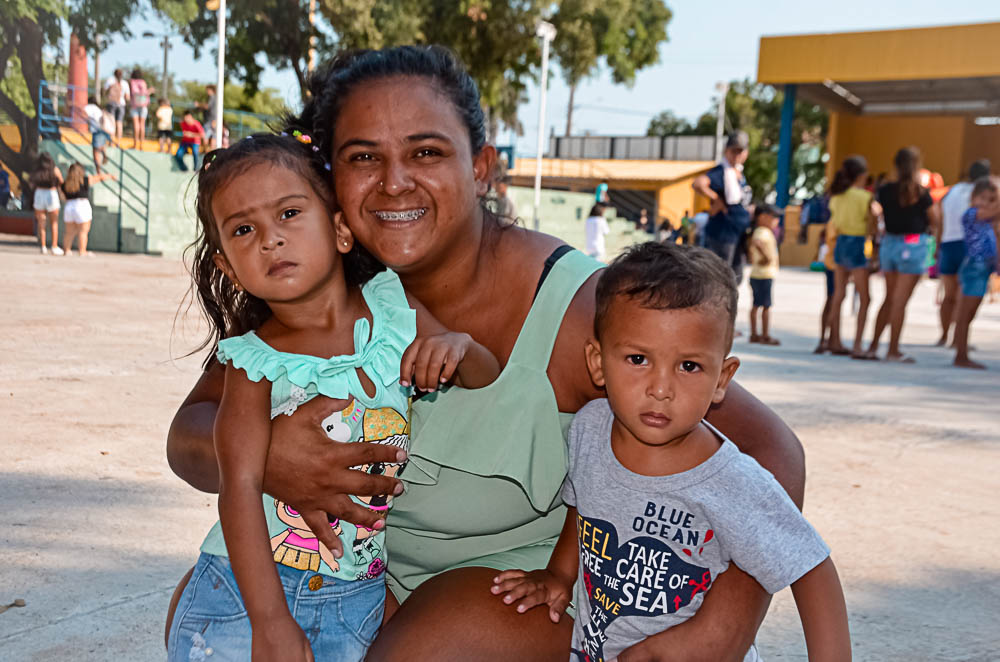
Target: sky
x=704, y=47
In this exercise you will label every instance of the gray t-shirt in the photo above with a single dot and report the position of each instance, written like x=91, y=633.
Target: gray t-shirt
x=650, y=546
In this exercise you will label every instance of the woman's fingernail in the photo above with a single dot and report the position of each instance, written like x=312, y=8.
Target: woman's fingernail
x=403, y=382
x=508, y=599
x=397, y=490
x=494, y=589
x=338, y=553
x=379, y=524
x=401, y=456
x=520, y=609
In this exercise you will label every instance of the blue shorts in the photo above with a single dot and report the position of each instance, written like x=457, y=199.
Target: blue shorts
x=951, y=256
x=339, y=618
x=99, y=139
x=849, y=252
x=761, y=288
x=906, y=254
x=974, y=276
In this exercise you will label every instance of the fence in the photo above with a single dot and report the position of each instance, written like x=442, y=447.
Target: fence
x=665, y=148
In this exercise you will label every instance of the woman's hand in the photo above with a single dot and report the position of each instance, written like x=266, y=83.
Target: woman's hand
x=307, y=469
x=280, y=639
x=531, y=589
x=430, y=361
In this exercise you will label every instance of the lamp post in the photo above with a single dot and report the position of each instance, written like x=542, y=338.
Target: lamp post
x=219, y=6
x=547, y=32
x=164, y=90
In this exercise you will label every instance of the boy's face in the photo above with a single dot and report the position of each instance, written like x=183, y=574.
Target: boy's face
x=662, y=368
x=768, y=221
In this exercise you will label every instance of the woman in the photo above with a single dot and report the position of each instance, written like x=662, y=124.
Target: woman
x=595, y=229
x=139, y=95
x=405, y=134
x=46, y=181
x=853, y=211
x=910, y=216
x=78, y=214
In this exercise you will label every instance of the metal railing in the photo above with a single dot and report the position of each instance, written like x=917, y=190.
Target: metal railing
x=57, y=110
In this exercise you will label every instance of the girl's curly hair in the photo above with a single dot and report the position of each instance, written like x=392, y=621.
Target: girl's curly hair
x=229, y=311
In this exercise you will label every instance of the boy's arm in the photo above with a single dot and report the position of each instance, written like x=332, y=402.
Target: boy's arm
x=819, y=598
x=242, y=437
x=437, y=354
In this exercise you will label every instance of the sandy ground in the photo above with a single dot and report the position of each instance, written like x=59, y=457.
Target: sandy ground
x=903, y=461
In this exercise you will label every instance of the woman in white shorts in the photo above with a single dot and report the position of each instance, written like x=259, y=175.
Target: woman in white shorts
x=45, y=180
x=79, y=214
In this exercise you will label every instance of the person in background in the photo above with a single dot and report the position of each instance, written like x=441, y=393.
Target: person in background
x=98, y=121
x=45, y=181
x=853, y=211
x=763, y=253
x=642, y=223
x=596, y=227
x=79, y=214
x=601, y=193
x=164, y=125
x=139, y=95
x=191, y=136
x=910, y=216
x=116, y=91
x=506, y=207
x=979, y=263
x=209, y=107
x=729, y=197
x=951, y=242
x=828, y=240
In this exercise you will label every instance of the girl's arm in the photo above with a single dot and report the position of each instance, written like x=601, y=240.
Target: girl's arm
x=820, y=601
x=438, y=354
x=242, y=438
x=874, y=211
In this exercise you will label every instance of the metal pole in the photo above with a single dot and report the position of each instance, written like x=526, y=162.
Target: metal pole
x=164, y=91
x=97, y=71
x=720, y=122
x=221, y=78
x=785, y=146
x=547, y=32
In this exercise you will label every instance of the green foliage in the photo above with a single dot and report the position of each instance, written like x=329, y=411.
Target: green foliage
x=756, y=109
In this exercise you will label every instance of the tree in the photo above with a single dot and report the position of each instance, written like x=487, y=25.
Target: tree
x=625, y=33
x=667, y=123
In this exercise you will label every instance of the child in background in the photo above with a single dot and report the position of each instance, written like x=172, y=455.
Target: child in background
x=659, y=501
x=283, y=287
x=827, y=242
x=595, y=229
x=763, y=255
x=980, y=262
x=164, y=125
x=192, y=135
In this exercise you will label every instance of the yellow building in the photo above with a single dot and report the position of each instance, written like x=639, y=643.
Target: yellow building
x=935, y=88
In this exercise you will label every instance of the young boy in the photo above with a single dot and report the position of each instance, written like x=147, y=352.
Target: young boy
x=763, y=269
x=659, y=502
x=164, y=125
x=979, y=263
x=192, y=135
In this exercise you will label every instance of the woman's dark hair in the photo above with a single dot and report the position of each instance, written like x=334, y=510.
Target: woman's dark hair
x=44, y=175
x=907, y=164
x=230, y=311
x=334, y=81
x=597, y=210
x=136, y=74
x=979, y=169
x=852, y=168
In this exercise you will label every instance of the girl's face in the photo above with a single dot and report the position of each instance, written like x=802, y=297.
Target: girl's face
x=987, y=198
x=405, y=175
x=278, y=239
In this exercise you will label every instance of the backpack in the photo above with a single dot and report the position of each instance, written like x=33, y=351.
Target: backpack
x=107, y=123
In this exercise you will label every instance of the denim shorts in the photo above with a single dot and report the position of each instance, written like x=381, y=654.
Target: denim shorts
x=951, y=256
x=906, y=254
x=761, y=289
x=974, y=276
x=849, y=252
x=339, y=618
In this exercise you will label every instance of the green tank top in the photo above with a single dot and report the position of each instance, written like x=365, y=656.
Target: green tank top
x=486, y=465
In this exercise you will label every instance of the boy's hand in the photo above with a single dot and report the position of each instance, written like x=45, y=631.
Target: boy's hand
x=531, y=589
x=280, y=639
x=431, y=360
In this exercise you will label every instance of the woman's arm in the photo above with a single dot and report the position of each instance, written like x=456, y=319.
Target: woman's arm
x=100, y=177
x=819, y=598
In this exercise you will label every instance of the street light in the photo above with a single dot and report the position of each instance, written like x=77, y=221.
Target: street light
x=547, y=32
x=219, y=6
x=164, y=90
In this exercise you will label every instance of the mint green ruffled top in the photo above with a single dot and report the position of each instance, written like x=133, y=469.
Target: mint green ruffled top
x=382, y=418
x=486, y=465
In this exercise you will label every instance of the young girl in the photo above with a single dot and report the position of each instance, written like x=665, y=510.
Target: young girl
x=979, y=264
x=284, y=287
x=763, y=255
x=853, y=211
x=78, y=213
x=46, y=181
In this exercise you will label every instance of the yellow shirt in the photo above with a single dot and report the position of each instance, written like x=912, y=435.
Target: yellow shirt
x=763, y=247
x=849, y=211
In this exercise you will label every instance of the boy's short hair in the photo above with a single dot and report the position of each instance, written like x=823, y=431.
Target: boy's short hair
x=188, y=111
x=765, y=208
x=984, y=184
x=668, y=277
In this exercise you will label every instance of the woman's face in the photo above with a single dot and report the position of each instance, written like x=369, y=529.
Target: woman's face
x=404, y=172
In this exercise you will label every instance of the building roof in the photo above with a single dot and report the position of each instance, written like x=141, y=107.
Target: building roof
x=620, y=171
x=936, y=70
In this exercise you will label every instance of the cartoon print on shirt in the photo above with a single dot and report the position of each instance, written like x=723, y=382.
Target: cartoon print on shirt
x=642, y=577
x=297, y=546
x=389, y=427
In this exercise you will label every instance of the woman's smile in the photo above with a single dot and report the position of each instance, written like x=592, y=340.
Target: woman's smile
x=400, y=216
